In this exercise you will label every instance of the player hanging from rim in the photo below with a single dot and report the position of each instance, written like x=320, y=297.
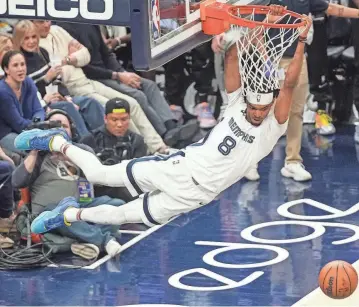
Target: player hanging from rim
x=190, y=178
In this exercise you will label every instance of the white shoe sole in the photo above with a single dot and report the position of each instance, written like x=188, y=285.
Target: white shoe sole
x=85, y=250
x=288, y=174
x=6, y=242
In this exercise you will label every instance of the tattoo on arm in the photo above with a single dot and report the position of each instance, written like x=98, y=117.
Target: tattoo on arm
x=341, y=11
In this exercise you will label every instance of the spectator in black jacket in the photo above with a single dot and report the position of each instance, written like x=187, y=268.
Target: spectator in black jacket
x=106, y=69
x=114, y=142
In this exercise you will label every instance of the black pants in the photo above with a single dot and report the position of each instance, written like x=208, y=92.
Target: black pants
x=6, y=190
x=317, y=55
x=199, y=64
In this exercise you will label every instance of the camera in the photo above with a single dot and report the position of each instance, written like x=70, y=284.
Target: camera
x=119, y=152
x=43, y=125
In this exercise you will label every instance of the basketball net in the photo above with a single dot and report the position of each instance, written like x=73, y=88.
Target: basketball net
x=260, y=50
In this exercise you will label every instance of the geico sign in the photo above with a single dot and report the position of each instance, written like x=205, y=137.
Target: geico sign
x=46, y=9
x=318, y=229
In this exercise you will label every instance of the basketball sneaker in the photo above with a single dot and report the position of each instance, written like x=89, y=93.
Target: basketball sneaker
x=37, y=139
x=85, y=250
x=49, y=220
x=296, y=171
x=323, y=123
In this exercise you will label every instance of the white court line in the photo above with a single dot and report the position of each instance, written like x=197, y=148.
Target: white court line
x=317, y=298
x=132, y=232
x=141, y=236
x=128, y=244
x=125, y=246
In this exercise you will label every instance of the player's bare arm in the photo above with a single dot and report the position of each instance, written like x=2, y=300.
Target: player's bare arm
x=232, y=78
x=343, y=11
x=284, y=99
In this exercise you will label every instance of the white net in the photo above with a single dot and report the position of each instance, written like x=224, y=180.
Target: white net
x=260, y=50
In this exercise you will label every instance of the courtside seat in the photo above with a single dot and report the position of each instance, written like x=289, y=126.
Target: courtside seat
x=334, y=52
x=348, y=54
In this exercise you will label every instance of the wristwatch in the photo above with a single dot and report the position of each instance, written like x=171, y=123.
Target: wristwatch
x=68, y=60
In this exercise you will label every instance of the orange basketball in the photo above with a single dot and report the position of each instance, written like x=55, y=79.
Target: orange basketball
x=338, y=279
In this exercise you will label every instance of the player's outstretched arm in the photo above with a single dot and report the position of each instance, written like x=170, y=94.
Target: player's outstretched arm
x=343, y=11
x=232, y=77
x=284, y=99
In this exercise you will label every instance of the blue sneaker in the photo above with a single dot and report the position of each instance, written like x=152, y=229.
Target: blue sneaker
x=37, y=139
x=50, y=220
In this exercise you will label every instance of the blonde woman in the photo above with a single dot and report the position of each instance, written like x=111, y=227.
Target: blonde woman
x=86, y=112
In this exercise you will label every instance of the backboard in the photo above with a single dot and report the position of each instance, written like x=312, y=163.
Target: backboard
x=175, y=27
x=161, y=29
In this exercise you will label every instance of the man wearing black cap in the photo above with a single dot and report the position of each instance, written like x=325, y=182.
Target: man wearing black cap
x=114, y=142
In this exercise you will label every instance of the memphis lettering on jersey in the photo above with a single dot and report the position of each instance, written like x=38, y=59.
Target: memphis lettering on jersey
x=238, y=132
x=47, y=9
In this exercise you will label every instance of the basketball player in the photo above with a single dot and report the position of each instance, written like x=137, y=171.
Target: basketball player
x=189, y=178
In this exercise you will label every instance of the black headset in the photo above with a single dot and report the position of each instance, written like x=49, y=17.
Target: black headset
x=75, y=135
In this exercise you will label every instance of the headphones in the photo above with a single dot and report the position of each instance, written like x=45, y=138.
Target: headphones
x=73, y=128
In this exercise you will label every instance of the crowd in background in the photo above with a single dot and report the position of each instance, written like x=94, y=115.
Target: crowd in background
x=82, y=78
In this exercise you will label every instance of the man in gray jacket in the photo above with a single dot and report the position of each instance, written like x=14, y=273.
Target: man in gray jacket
x=51, y=177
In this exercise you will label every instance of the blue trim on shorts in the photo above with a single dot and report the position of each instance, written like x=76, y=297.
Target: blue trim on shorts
x=129, y=166
x=146, y=210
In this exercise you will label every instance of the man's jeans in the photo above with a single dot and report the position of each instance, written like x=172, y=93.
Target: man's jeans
x=85, y=232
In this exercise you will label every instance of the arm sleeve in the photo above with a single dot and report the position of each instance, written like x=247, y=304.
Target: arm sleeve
x=10, y=114
x=21, y=178
x=96, y=72
x=83, y=55
x=318, y=6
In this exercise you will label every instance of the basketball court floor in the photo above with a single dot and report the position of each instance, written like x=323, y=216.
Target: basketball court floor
x=259, y=244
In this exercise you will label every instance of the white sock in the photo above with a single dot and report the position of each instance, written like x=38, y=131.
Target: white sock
x=113, y=247
x=57, y=142
x=70, y=214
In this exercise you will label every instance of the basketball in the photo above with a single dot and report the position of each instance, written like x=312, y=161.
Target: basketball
x=338, y=279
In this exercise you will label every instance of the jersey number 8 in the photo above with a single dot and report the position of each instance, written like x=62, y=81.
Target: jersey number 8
x=227, y=145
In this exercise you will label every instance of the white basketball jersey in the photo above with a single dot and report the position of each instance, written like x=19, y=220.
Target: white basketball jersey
x=232, y=147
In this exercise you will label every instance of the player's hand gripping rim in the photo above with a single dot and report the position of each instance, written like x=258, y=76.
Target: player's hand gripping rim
x=275, y=13
x=305, y=29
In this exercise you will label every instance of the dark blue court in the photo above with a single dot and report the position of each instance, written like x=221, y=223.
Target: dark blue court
x=206, y=258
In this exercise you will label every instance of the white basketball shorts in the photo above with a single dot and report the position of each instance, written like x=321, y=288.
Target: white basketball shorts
x=166, y=187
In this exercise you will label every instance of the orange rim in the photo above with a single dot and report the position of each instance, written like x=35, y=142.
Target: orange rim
x=260, y=10
x=217, y=17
